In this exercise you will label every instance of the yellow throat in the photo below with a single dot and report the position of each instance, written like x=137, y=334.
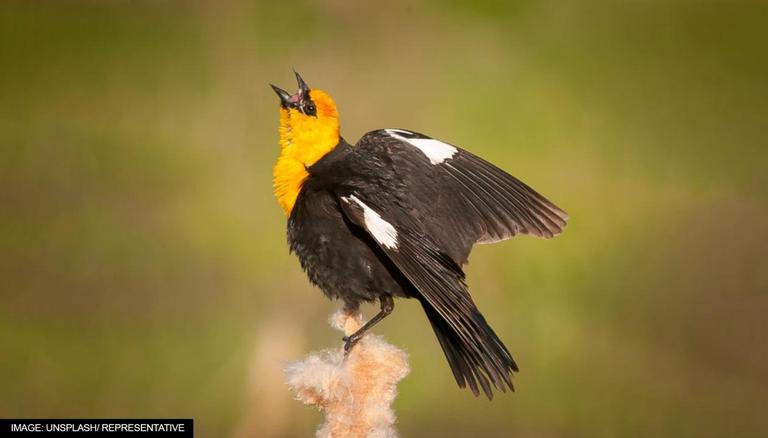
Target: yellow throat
x=304, y=140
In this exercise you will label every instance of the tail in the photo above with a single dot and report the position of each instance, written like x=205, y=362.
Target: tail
x=475, y=353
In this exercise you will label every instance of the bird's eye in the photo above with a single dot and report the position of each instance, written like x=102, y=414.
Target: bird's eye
x=310, y=109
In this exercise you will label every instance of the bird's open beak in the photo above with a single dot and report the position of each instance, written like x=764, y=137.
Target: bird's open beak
x=287, y=100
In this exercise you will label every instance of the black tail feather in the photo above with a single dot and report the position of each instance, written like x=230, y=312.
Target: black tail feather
x=477, y=358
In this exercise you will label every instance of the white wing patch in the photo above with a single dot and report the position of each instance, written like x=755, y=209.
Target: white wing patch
x=381, y=230
x=435, y=150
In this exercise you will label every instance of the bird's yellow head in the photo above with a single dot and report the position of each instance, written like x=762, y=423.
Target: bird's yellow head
x=309, y=129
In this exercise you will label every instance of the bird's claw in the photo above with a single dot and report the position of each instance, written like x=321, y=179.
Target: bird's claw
x=349, y=342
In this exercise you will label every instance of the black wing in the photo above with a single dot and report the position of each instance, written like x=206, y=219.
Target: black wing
x=476, y=355
x=425, y=204
x=463, y=199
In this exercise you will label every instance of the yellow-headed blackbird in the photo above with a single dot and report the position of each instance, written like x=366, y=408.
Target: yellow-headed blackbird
x=396, y=215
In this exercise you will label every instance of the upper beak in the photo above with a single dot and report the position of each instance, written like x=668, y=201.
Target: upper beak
x=285, y=98
x=303, y=87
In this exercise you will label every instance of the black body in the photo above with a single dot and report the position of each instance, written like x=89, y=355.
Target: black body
x=439, y=211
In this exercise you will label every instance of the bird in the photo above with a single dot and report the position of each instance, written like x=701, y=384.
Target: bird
x=395, y=216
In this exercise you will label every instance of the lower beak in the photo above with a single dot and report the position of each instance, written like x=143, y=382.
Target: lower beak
x=285, y=98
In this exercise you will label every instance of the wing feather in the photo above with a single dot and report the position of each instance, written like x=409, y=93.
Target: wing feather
x=518, y=208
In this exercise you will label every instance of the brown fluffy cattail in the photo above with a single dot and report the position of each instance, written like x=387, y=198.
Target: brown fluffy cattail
x=355, y=392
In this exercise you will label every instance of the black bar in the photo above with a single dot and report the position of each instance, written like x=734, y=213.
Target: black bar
x=98, y=427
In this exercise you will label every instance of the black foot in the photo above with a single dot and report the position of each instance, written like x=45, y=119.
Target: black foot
x=386, y=308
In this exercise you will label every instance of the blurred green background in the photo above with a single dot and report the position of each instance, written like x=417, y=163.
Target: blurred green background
x=144, y=270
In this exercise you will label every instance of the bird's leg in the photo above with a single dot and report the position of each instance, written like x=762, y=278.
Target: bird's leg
x=387, y=305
